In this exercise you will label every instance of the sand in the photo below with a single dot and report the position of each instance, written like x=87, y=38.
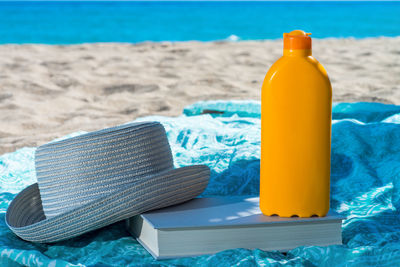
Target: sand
x=49, y=91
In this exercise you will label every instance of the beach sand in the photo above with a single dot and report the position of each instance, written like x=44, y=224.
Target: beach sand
x=49, y=91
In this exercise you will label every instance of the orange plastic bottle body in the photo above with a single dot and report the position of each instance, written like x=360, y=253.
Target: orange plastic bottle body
x=295, y=137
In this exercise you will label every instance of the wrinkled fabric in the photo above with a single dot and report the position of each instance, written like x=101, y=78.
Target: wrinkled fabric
x=225, y=135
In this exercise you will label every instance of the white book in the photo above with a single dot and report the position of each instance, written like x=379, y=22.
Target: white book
x=209, y=225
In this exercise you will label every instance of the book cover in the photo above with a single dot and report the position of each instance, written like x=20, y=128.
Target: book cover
x=208, y=225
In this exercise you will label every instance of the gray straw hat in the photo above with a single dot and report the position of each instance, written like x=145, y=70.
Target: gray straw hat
x=96, y=179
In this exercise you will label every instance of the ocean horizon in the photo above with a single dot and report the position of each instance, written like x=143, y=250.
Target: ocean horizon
x=132, y=22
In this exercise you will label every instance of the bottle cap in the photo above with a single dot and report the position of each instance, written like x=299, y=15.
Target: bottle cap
x=297, y=39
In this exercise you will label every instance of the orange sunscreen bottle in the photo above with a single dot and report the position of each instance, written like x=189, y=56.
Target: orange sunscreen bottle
x=295, y=133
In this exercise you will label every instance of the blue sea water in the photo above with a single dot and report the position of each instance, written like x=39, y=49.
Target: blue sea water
x=80, y=22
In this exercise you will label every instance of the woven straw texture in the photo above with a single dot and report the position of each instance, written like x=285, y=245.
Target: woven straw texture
x=99, y=178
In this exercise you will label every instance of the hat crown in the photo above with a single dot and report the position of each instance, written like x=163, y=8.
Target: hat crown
x=78, y=170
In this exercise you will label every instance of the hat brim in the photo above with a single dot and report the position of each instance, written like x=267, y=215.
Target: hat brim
x=25, y=216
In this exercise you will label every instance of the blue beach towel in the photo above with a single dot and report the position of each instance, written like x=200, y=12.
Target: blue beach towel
x=225, y=135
